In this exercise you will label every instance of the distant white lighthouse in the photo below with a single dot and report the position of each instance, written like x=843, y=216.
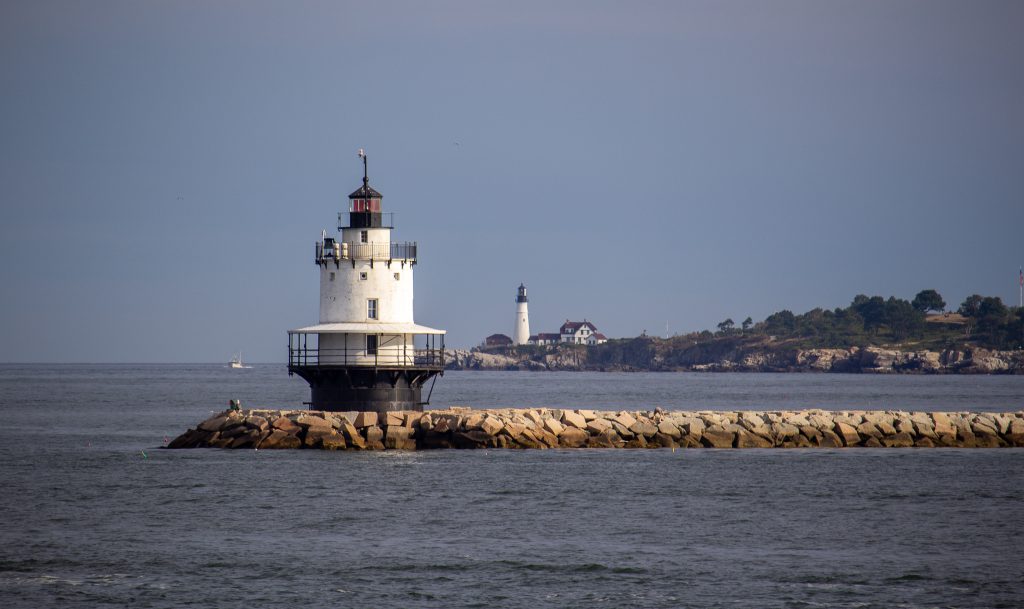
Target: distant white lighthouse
x=521, y=335
x=366, y=353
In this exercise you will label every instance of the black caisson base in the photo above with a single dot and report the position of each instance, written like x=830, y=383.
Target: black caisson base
x=365, y=389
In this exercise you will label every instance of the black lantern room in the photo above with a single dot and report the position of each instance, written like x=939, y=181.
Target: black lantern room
x=364, y=210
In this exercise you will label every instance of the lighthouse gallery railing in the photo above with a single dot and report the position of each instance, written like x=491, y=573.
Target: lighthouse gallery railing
x=383, y=357
x=366, y=251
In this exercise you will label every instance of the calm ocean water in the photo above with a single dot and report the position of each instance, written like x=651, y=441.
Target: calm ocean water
x=96, y=515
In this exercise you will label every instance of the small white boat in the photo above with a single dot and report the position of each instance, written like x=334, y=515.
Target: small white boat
x=236, y=362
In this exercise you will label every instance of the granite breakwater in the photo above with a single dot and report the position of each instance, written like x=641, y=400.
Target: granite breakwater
x=554, y=428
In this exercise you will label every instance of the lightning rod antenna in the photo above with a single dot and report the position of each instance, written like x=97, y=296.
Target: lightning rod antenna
x=366, y=179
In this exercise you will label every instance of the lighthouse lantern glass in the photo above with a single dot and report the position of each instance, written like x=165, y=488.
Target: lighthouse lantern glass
x=364, y=205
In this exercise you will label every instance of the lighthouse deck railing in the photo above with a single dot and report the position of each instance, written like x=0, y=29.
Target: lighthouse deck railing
x=316, y=357
x=366, y=251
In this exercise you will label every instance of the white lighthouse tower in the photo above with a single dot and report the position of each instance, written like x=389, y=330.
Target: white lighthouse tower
x=367, y=352
x=521, y=335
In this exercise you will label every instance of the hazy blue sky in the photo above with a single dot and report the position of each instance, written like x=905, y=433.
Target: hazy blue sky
x=166, y=167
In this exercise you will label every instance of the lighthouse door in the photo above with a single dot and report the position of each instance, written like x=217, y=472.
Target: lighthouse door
x=371, y=344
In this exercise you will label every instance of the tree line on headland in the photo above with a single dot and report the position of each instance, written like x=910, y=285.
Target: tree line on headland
x=872, y=334
x=982, y=321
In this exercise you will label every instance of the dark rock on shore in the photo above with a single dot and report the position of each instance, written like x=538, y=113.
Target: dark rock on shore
x=741, y=355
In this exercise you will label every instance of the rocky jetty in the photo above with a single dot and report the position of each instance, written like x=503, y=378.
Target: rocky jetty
x=553, y=428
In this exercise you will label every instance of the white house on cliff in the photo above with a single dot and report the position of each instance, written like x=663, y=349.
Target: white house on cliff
x=581, y=333
x=574, y=332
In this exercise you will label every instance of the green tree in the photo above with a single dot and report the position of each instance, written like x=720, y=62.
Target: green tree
x=816, y=322
x=993, y=307
x=994, y=322
x=969, y=308
x=1015, y=330
x=849, y=327
x=872, y=310
x=747, y=323
x=928, y=300
x=971, y=305
x=782, y=323
x=726, y=326
x=902, y=318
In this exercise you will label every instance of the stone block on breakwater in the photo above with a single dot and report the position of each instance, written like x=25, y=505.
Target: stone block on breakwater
x=548, y=428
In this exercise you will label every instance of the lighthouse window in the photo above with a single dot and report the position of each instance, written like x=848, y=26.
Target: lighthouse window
x=397, y=275
x=332, y=275
x=364, y=236
x=371, y=308
x=362, y=276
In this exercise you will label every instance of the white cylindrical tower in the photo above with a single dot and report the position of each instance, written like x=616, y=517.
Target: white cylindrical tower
x=521, y=335
x=364, y=353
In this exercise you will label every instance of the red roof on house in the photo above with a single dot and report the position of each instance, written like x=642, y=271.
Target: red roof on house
x=600, y=336
x=498, y=339
x=571, y=326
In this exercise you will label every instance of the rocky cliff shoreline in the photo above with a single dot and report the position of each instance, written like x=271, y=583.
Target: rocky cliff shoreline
x=553, y=428
x=747, y=358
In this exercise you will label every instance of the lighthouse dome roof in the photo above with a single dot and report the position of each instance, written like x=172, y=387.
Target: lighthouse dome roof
x=365, y=192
